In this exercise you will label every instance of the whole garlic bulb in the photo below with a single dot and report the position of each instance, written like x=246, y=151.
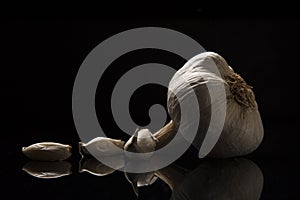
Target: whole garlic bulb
x=243, y=130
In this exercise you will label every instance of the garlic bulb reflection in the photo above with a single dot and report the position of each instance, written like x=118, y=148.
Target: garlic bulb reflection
x=243, y=130
x=215, y=179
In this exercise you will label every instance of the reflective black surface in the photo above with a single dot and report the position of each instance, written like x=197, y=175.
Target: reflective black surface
x=237, y=178
x=188, y=178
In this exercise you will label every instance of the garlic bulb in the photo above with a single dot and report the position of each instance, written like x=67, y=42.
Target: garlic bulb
x=47, y=170
x=47, y=151
x=243, y=130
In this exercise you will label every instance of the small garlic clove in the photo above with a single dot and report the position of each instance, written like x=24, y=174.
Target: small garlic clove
x=101, y=146
x=146, y=141
x=142, y=141
x=47, y=151
x=47, y=170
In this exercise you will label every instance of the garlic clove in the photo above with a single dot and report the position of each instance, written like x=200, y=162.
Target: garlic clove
x=101, y=146
x=47, y=170
x=47, y=151
x=142, y=141
x=146, y=141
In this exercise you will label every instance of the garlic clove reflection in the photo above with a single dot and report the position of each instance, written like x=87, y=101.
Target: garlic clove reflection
x=140, y=179
x=95, y=167
x=47, y=170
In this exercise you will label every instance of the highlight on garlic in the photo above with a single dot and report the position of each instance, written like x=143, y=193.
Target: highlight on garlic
x=48, y=170
x=47, y=151
x=243, y=130
x=215, y=179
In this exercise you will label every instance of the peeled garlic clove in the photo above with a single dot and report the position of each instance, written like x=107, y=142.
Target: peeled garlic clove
x=47, y=151
x=48, y=170
x=93, y=166
x=142, y=141
x=101, y=146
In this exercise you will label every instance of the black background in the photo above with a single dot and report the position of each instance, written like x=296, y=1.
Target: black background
x=43, y=49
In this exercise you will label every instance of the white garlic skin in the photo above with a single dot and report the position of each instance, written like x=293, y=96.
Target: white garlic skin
x=243, y=130
x=47, y=151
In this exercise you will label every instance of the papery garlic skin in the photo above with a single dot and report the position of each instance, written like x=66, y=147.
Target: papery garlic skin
x=243, y=130
x=48, y=151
